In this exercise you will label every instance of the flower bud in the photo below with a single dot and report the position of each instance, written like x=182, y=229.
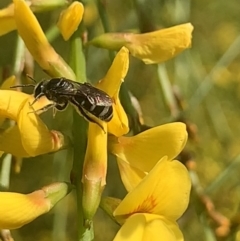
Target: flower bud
x=153, y=47
x=94, y=169
x=19, y=209
x=70, y=19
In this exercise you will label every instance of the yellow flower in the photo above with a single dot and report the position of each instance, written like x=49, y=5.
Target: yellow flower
x=150, y=210
x=19, y=209
x=153, y=47
x=95, y=162
x=137, y=155
x=6, y=86
x=37, y=43
x=158, y=190
x=111, y=83
x=30, y=137
x=70, y=19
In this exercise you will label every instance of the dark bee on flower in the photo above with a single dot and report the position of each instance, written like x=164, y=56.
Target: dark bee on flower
x=90, y=102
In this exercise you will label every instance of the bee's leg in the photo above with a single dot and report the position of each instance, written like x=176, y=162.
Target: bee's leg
x=89, y=118
x=61, y=106
x=45, y=108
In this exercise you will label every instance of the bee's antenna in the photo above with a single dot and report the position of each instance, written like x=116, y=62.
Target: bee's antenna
x=16, y=86
x=30, y=77
x=27, y=85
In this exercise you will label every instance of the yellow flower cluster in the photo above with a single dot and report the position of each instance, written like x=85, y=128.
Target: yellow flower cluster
x=158, y=186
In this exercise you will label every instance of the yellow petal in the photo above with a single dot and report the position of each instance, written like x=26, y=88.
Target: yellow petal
x=30, y=31
x=95, y=162
x=11, y=102
x=37, y=43
x=70, y=19
x=117, y=72
x=10, y=81
x=144, y=150
x=118, y=125
x=132, y=229
x=111, y=85
x=141, y=227
x=36, y=138
x=153, y=47
x=6, y=86
x=7, y=21
x=130, y=176
x=161, y=45
x=164, y=191
x=10, y=142
x=19, y=209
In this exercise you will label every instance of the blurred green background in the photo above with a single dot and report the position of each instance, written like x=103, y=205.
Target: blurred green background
x=207, y=76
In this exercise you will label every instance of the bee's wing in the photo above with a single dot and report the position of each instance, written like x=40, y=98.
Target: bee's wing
x=94, y=95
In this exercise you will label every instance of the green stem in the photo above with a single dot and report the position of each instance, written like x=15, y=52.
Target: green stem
x=61, y=210
x=5, y=172
x=79, y=136
x=19, y=55
x=52, y=33
x=104, y=18
x=103, y=15
x=167, y=91
x=207, y=83
x=225, y=178
x=79, y=149
x=143, y=8
x=78, y=62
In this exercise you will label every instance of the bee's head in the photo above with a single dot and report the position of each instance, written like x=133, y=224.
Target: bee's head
x=40, y=89
x=48, y=88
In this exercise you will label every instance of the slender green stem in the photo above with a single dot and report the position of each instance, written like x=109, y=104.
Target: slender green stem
x=104, y=18
x=52, y=33
x=103, y=15
x=5, y=172
x=60, y=214
x=167, y=91
x=224, y=177
x=142, y=9
x=79, y=136
x=212, y=104
x=79, y=149
x=19, y=55
x=78, y=62
x=208, y=232
x=207, y=83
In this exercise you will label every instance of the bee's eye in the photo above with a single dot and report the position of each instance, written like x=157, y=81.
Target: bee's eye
x=38, y=90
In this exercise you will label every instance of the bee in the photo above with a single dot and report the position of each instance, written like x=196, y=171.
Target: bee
x=89, y=101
